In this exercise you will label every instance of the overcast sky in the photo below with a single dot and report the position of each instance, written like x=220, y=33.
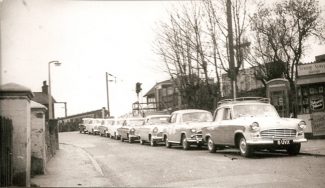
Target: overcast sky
x=89, y=38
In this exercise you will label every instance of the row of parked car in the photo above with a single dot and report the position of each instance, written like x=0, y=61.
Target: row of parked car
x=248, y=124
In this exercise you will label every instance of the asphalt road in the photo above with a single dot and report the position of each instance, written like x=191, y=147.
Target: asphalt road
x=124, y=164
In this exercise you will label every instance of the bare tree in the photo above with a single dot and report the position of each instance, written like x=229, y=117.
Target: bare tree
x=281, y=33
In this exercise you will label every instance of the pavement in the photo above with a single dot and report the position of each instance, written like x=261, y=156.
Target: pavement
x=73, y=166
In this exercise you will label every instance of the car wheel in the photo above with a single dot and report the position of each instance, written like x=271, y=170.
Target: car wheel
x=122, y=139
x=294, y=149
x=153, y=142
x=141, y=142
x=167, y=144
x=211, y=146
x=245, y=149
x=115, y=136
x=185, y=144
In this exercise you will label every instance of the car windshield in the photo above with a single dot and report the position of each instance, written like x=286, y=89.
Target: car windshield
x=197, y=117
x=135, y=122
x=158, y=120
x=255, y=110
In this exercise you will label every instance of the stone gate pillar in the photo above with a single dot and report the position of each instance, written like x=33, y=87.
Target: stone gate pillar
x=15, y=104
x=39, y=147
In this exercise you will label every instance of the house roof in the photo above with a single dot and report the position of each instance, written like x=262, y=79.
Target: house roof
x=42, y=98
x=152, y=90
x=15, y=88
x=34, y=104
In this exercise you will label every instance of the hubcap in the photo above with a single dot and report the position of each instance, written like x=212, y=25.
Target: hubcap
x=210, y=144
x=184, y=143
x=243, y=145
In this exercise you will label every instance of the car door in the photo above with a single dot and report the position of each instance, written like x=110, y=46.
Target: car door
x=227, y=126
x=179, y=128
x=217, y=131
x=171, y=127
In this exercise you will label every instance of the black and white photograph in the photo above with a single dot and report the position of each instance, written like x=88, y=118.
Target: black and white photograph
x=162, y=93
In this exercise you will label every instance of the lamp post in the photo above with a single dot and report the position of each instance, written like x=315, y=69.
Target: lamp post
x=56, y=63
x=107, y=93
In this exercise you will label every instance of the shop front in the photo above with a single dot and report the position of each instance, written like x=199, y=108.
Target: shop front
x=311, y=94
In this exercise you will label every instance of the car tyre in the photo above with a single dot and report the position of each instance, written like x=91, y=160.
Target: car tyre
x=185, y=144
x=141, y=142
x=245, y=149
x=211, y=146
x=130, y=140
x=153, y=142
x=115, y=136
x=294, y=149
x=167, y=144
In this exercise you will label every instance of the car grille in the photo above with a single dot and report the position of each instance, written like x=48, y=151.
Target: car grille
x=278, y=133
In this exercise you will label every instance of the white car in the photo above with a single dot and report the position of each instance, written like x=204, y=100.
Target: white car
x=185, y=127
x=105, y=124
x=83, y=124
x=127, y=131
x=112, y=130
x=251, y=124
x=153, y=129
x=92, y=126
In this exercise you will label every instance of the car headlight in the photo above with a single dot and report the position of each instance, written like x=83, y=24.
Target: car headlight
x=132, y=131
x=155, y=130
x=255, y=126
x=302, y=125
x=193, y=130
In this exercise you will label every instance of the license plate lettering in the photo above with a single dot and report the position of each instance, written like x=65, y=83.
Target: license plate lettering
x=283, y=142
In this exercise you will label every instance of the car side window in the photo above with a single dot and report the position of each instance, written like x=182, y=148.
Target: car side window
x=219, y=114
x=173, y=118
x=227, y=114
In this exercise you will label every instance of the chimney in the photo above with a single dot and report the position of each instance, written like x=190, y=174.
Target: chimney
x=45, y=88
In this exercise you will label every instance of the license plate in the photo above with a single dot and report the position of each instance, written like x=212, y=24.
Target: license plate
x=283, y=142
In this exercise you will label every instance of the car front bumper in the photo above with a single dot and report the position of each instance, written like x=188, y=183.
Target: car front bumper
x=195, y=139
x=260, y=141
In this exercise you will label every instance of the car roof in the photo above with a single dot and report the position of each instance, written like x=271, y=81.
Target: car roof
x=243, y=100
x=135, y=118
x=189, y=111
x=153, y=116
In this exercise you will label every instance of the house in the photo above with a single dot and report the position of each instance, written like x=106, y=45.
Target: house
x=162, y=97
x=42, y=98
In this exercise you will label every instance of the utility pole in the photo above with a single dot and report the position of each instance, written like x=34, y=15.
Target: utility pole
x=231, y=50
x=107, y=91
x=107, y=95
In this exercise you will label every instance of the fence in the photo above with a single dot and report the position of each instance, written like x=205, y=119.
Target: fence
x=6, y=169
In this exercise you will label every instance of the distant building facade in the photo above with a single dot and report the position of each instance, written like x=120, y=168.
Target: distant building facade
x=246, y=81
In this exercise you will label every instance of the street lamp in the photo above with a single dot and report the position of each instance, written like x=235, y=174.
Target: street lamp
x=107, y=93
x=56, y=63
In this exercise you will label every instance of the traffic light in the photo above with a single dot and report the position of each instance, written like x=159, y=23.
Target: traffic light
x=138, y=87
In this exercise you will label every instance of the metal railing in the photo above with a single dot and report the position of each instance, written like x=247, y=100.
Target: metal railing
x=6, y=168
